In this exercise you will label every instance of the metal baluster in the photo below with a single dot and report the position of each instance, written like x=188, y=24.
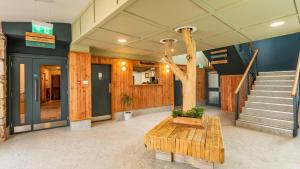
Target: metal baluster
x=237, y=106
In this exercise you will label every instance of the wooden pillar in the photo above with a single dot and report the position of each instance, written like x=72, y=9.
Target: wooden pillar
x=80, y=90
x=3, y=85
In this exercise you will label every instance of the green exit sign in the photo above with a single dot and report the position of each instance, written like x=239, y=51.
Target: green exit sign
x=42, y=27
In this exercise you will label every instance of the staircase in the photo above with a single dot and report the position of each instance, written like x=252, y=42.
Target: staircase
x=269, y=107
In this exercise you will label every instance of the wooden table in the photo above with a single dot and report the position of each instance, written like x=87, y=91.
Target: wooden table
x=188, y=144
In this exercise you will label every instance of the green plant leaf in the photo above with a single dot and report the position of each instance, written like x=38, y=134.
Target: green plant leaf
x=196, y=112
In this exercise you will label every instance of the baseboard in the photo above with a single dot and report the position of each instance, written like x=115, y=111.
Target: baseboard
x=7, y=132
x=101, y=118
x=80, y=125
x=119, y=115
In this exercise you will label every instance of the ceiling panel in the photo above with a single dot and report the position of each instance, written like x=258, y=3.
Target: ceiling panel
x=263, y=31
x=166, y=12
x=209, y=26
x=128, y=50
x=27, y=10
x=130, y=25
x=179, y=48
x=109, y=36
x=229, y=38
x=164, y=35
x=253, y=12
x=218, y=4
x=148, y=45
x=145, y=22
x=97, y=44
x=202, y=46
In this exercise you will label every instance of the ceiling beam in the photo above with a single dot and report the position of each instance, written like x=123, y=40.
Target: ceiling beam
x=213, y=12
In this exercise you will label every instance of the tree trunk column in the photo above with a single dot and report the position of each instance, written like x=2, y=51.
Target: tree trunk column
x=189, y=86
x=3, y=106
x=188, y=78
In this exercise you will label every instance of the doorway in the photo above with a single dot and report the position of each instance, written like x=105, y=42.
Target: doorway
x=212, y=85
x=101, y=92
x=38, y=93
x=177, y=93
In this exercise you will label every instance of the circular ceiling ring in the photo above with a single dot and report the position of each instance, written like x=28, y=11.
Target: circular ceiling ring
x=163, y=41
x=193, y=28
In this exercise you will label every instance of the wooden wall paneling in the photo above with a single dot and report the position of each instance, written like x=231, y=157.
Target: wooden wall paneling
x=228, y=85
x=145, y=96
x=201, y=92
x=80, y=94
x=82, y=75
x=72, y=85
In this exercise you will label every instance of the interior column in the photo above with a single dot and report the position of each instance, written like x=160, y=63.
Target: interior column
x=3, y=108
x=80, y=90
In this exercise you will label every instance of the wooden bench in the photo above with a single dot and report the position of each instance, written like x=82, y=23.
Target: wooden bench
x=198, y=147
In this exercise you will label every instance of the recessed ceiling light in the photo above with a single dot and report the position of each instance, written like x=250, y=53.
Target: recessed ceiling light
x=172, y=50
x=122, y=40
x=276, y=24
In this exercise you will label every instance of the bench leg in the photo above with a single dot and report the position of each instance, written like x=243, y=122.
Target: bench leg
x=160, y=155
x=197, y=163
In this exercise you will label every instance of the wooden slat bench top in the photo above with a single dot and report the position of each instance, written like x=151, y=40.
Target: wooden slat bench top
x=206, y=144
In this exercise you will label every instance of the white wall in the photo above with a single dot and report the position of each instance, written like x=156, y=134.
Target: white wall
x=144, y=79
x=137, y=77
x=201, y=59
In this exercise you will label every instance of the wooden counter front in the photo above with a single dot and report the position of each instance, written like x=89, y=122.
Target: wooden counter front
x=147, y=95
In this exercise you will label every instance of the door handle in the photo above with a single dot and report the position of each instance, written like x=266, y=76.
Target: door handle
x=109, y=87
x=35, y=90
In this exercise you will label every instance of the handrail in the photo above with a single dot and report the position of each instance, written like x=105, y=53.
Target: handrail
x=296, y=81
x=247, y=71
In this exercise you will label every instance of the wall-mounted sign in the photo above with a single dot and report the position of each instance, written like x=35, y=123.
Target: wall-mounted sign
x=100, y=76
x=42, y=27
x=39, y=40
x=41, y=35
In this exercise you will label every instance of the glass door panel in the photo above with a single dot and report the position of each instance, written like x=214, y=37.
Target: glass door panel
x=50, y=99
x=22, y=94
x=213, y=94
x=50, y=105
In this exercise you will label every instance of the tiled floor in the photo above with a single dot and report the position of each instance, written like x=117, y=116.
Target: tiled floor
x=119, y=145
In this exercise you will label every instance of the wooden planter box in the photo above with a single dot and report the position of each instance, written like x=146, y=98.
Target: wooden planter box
x=190, y=122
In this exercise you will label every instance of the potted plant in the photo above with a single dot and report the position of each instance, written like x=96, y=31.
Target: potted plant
x=127, y=100
x=191, y=117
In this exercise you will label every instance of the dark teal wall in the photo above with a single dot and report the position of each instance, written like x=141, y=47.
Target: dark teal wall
x=235, y=65
x=277, y=54
x=15, y=33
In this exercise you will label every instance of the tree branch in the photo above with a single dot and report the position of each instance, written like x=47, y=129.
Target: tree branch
x=167, y=58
